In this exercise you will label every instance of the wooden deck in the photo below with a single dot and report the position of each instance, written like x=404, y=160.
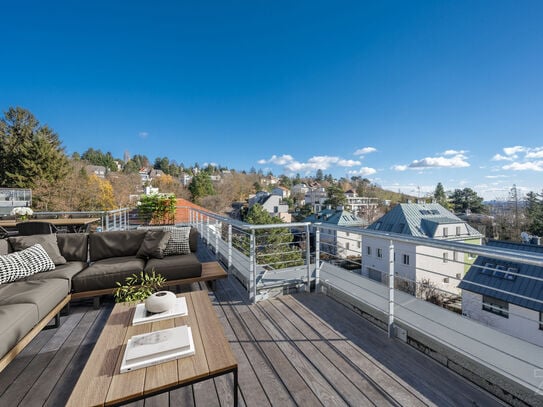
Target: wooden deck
x=301, y=349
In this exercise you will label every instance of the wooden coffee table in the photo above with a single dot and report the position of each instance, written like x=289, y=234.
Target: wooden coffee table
x=101, y=382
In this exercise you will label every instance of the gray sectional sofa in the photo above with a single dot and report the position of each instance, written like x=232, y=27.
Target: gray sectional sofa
x=85, y=265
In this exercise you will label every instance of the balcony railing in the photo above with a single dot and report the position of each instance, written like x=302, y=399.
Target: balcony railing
x=387, y=277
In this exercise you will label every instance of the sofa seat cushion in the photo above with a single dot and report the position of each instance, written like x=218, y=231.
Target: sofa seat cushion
x=175, y=267
x=66, y=271
x=16, y=320
x=105, y=245
x=104, y=274
x=44, y=294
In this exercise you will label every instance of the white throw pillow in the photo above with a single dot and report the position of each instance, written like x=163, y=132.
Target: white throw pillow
x=14, y=266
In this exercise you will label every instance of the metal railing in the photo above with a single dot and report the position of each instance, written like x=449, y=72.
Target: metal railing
x=407, y=284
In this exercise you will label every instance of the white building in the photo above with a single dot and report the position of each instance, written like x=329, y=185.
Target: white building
x=338, y=243
x=363, y=207
x=272, y=204
x=316, y=198
x=281, y=191
x=505, y=295
x=443, y=269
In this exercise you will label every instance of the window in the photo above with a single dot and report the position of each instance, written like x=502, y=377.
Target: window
x=406, y=259
x=358, y=245
x=445, y=257
x=541, y=320
x=458, y=230
x=347, y=234
x=347, y=246
x=445, y=232
x=458, y=276
x=496, y=306
x=380, y=253
x=368, y=251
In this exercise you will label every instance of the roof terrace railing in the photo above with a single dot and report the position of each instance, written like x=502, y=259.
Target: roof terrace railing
x=406, y=284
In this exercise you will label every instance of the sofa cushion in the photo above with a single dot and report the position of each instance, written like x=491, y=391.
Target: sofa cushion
x=44, y=294
x=66, y=271
x=183, y=239
x=175, y=267
x=105, y=245
x=17, y=265
x=73, y=246
x=154, y=244
x=16, y=321
x=105, y=273
x=48, y=242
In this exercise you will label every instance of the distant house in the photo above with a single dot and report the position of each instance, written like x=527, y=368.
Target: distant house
x=505, y=295
x=155, y=173
x=299, y=189
x=335, y=242
x=98, y=170
x=363, y=207
x=415, y=262
x=144, y=175
x=272, y=204
x=185, y=179
x=281, y=191
x=316, y=198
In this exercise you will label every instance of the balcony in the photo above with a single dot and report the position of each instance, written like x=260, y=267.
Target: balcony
x=313, y=328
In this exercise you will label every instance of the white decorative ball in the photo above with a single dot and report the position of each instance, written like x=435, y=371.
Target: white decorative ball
x=160, y=301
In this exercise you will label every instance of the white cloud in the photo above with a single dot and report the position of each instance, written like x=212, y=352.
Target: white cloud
x=535, y=153
x=277, y=160
x=363, y=171
x=454, y=152
x=499, y=157
x=457, y=161
x=527, y=166
x=365, y=150
x=514, y=150
x=496, y=176
x=320, y=162
x=143, y=134
x=399, y=167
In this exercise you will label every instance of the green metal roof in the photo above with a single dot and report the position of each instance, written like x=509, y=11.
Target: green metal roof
x=419, y=220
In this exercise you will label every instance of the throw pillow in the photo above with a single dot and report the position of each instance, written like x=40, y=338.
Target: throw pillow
x=27, y=262
x=48, y=242
x=179, y=239
x=154, y=244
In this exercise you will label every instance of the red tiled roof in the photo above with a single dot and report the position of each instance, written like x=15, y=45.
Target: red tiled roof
x=182, y=214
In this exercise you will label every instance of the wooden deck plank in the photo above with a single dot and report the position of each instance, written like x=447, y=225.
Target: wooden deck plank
x=270, y=349
x=314, y=350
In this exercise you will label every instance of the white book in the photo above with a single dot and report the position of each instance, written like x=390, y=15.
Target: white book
x=142, y=316
x=157, y=347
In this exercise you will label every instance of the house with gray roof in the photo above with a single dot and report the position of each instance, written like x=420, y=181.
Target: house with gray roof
x=336, y=242
x=505, y=295
x=415, y=263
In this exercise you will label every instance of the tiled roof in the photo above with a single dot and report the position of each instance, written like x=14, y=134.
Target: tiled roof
x=182, y=213
x=524, y=292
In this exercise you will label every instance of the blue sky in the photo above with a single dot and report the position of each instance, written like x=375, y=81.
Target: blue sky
x=405, y=93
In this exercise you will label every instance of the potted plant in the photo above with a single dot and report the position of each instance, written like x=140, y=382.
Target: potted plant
x=22, y=212
x=145, y=287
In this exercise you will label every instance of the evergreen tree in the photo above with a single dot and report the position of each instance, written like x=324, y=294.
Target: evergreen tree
x=534, y=213
x=467, y=199
x=319, y=176
x=336, y=196
x=274, y=249
x=201, y=186
x=440, y=196
x=29, y=152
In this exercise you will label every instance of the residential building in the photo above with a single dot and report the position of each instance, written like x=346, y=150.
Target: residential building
x=281, y=191
x=339, y=243
x=316, y=198
x=505, y=295
x=415, y=263
x=98, y=170
x=272, y=204
x=299, y=189
x=185, y=179
x=363, y=207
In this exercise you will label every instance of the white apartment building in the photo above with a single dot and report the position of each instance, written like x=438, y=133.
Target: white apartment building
x=443, y=269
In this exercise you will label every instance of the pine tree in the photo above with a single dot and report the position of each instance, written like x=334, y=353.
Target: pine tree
x=440, y=196
x=29, y=153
